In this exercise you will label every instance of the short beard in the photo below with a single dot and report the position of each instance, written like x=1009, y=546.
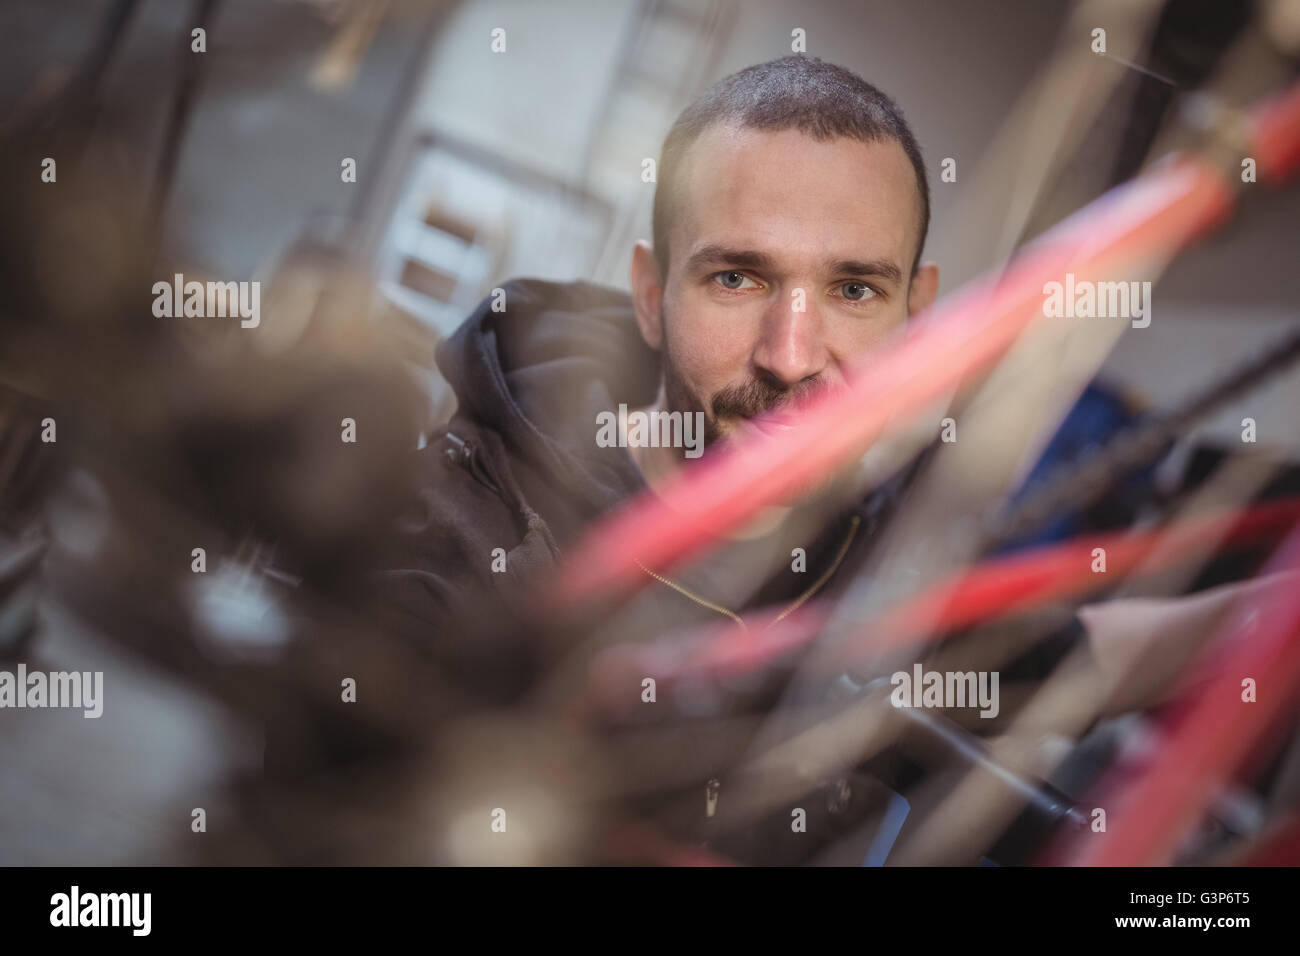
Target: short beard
x=749, y=400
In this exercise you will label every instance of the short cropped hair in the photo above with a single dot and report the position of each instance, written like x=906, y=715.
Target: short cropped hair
x=800, y=92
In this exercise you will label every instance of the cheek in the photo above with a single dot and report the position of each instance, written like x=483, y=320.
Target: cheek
x=710, y=344
x=856, y=340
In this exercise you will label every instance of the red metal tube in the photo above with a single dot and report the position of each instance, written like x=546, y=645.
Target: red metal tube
x=1210, y=735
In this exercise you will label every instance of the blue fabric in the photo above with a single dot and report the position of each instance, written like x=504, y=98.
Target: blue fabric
x=891, y=824
x=1098, y=415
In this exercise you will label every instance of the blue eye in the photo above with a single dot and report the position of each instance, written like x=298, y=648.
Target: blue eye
x=732, y=280
x=857, y=291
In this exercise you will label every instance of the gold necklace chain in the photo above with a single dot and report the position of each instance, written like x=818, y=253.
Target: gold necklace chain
x=798, y=602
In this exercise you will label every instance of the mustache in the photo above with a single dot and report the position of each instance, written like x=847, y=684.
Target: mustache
x=756, y=397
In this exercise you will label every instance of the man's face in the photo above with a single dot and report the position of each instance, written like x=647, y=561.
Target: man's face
x=790, y=261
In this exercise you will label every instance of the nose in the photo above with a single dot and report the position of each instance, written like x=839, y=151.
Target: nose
x=790, y=347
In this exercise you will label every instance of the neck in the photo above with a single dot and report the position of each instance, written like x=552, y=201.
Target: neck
x=660, y=465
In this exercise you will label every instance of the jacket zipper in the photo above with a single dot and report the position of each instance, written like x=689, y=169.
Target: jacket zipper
x=464, y=454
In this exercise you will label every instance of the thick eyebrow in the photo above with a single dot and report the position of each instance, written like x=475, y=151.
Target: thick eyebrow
x=880, y=268
x=719, y=255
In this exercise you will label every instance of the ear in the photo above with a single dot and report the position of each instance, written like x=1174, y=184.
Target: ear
x=925, y=286
x=647, y=294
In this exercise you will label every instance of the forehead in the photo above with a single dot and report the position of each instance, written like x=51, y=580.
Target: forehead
x=797, y=198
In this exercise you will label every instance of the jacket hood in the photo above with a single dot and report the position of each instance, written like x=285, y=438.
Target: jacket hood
x=539, y=371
